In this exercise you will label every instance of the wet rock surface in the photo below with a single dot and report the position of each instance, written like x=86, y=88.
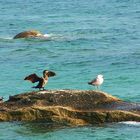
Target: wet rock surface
x=72, y=107
x=28, y=34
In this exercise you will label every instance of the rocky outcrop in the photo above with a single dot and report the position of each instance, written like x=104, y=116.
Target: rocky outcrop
x=28, y=34
x=71, y=107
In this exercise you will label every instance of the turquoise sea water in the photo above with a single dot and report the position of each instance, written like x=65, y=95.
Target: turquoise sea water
x=86, y=38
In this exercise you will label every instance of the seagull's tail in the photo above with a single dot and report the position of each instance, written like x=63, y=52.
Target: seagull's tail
x=90, y=83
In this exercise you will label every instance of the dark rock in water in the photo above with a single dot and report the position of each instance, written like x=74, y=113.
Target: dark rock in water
x=28, y=34
x=71, y=107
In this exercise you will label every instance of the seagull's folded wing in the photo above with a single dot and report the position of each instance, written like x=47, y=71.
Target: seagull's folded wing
x=92, y=82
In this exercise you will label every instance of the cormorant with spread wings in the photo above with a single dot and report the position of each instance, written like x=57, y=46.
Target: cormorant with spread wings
x=42, y=80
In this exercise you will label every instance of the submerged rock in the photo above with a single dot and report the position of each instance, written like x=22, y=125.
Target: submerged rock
x=28, y=34
x=71, y=107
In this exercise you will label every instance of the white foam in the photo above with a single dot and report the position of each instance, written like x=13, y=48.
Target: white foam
x=47, y=35
x=131, y=123
x=6, y=38
x=52, y=36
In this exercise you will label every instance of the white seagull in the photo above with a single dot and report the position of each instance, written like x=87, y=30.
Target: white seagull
x=97, y=81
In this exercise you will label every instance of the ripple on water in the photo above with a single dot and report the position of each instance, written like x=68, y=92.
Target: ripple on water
x=84, y=38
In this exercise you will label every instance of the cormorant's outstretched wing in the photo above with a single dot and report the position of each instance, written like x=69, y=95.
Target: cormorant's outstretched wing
x=33, y=78
x=51, y=73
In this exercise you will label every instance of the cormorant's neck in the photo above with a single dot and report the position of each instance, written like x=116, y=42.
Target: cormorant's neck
x=45, y=77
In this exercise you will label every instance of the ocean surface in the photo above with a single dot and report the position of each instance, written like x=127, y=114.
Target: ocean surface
x=85, y=38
